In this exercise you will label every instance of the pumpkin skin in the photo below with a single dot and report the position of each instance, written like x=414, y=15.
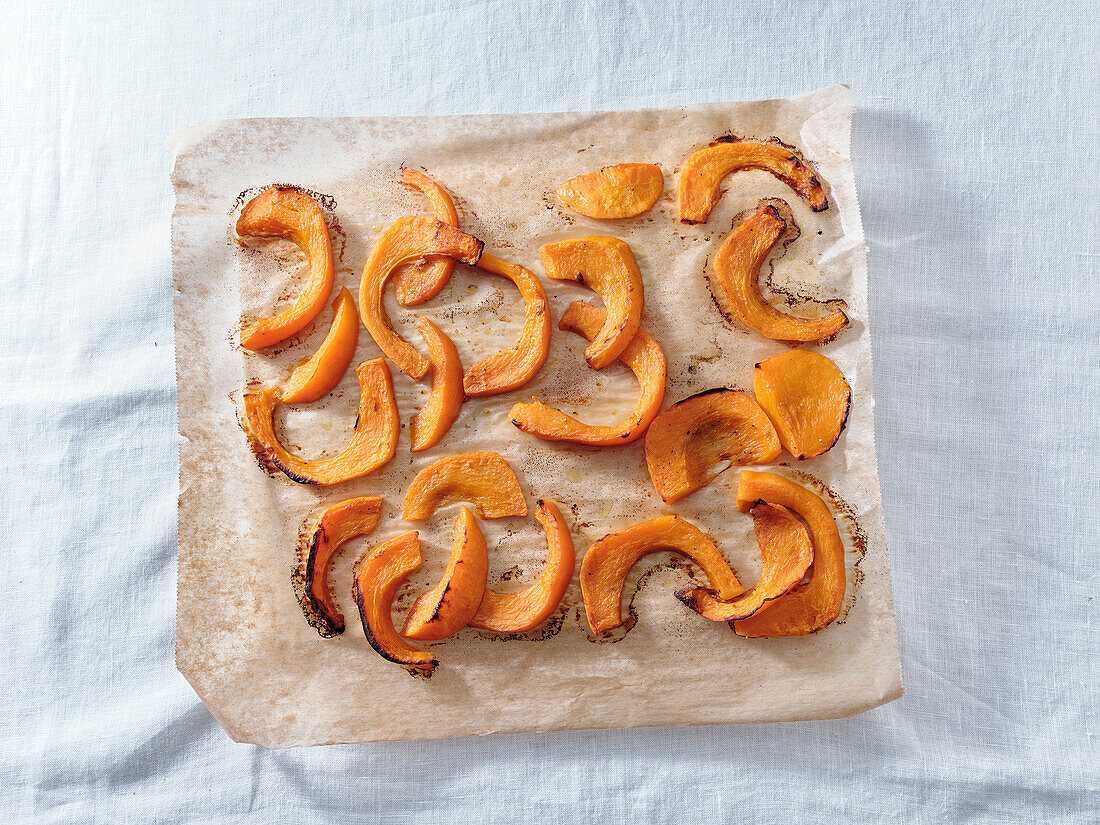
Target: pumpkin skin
x=416, y=282
x=293, y=215
x=319, y=374
x=787, y=553
x=686, y=440
x=737, y=270
x=380, y=574
x=699, y=187
x=625, y=190
x=606, y=564
x=429, y=425
x=480, y=477
x=807, y=399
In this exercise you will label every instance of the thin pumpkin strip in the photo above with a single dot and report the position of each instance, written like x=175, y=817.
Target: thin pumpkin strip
x=606, y=564
x=643, y=356
x=528, y=608
x=786, y=553
x=373, y=440
x=293, y=215
x=685, y=441
x=380, y=574
x=316, y=377
x=429, y=425
x=448, y=607
x=607, y=267
x=482, y=478
x=418, y=281
x=810, y=607
x=336, y=526
x=625, y=190
x=807, y=399
x=407, y=239
x=737, y=269
x=699, y=189
x=510, y=369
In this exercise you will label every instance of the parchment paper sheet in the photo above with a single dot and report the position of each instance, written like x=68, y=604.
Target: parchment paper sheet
x=242, y=640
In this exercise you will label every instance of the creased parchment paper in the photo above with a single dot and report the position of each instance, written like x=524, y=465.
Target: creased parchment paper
x=242, y=640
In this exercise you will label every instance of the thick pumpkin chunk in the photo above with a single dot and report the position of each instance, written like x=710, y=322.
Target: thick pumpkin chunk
x=446, y=397
x=811, y=606
x=606, y=564
x=643, y=356
x=528, y=608
x=338, y=525
x=421, y=280
x=737, y=269
x=807, y=399
x=373, y=441
x=448, y=607
x=510, y=369
x=607, y=267
x=408, y=239
x=685, y=442
x=481, y=478
x=316, y=377
x=625, y=190
x=786, y=552
x=701, y=179
x=290, y=214
x=380, y=574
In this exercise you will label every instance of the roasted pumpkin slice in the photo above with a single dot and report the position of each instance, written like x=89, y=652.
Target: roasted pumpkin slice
x=380, y=574
x=607, y=267
x=605, y=566
x=373, y=441
x=807, y=399
x=409, y=238
x=418, y=281
x=290, y=214
x=338, y=525
x=445, y=401
x=482, y=478
x=811, y=606
x=625, y=190
x=316, y=377
x=510, y=369
x=737, y=269
x=527, y=609
x=643, y=357
x=786, y=552
x=686, y=441
x=700, y=181
x=448, y=607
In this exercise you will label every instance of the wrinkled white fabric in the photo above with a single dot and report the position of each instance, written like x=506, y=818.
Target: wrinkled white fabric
x=976, y=155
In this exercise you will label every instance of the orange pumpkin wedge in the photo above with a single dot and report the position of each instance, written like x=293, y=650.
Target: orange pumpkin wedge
x=701, y=178
x=510, y=369
x=445, y=400
x=812, y=606
x=480, y=477
x=606, y=564
x=338, y=525
x=380, y=574
x=685, y=441
x=625, y=190
x=786, y=552
x=418, y=281
x=806, y=398
x=527, y=609
x=290, y=214
x=643, y=357
x=373, y=441
x=407, y=239
x=607, y=267
x=316, y=377
x=737, y=269
x=448, y=607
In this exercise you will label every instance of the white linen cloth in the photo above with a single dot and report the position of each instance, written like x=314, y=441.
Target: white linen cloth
x=976, y=155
